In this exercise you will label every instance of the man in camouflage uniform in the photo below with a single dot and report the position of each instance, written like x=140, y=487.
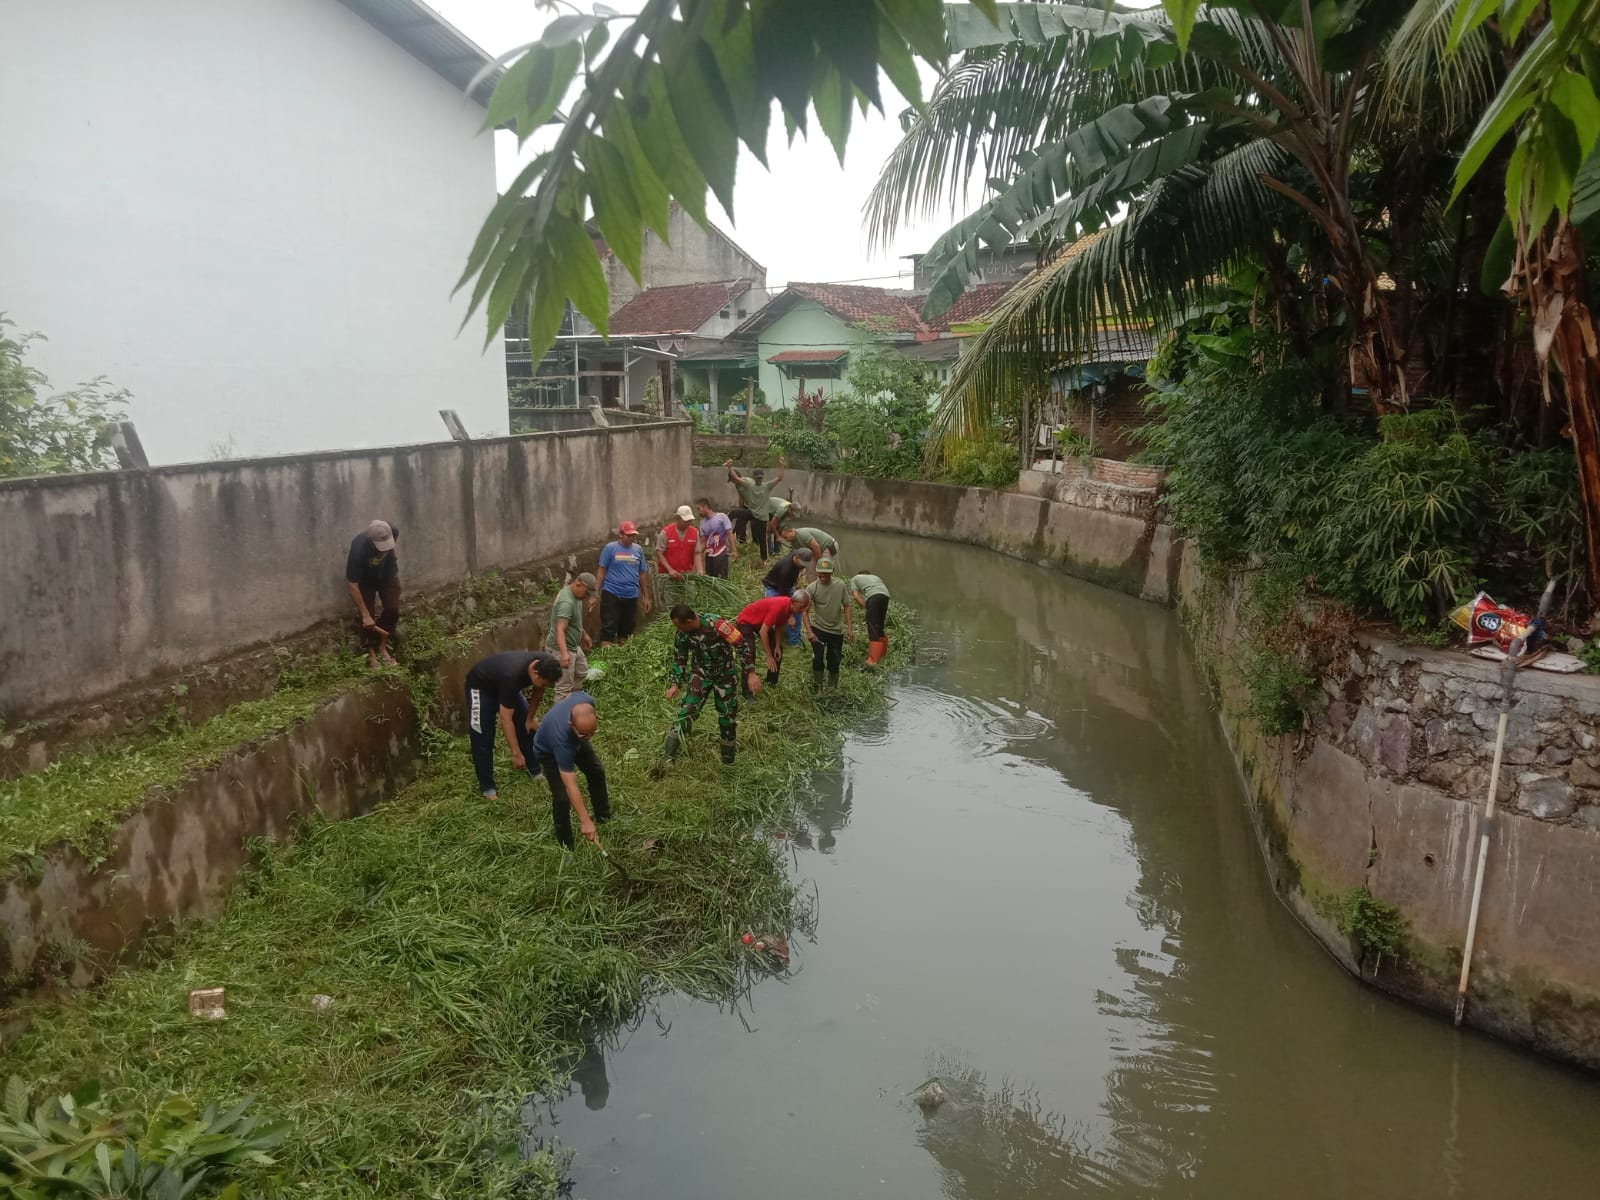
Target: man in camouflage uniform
x=706, y=659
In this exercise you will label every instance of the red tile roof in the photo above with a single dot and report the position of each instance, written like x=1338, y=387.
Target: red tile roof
x=882, y=308
x=974, y=302
x=808, y=356
x=682, y=308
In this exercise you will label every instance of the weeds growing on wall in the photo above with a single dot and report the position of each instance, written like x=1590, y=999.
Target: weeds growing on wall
x=462, y=948
x=1333, y=520
x=1376, y=927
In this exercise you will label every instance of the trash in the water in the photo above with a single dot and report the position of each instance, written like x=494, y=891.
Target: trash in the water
x=210, y=1003
x=321, y=1002
x=930, y=1096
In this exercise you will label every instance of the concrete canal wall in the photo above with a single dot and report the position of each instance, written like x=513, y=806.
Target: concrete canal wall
x=1103, y=532
x=1383, y=791
x=116, y=578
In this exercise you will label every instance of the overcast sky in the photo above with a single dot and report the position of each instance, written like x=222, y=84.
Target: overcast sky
x=802, y=219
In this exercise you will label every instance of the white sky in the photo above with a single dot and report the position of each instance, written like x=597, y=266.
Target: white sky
x=803, y=219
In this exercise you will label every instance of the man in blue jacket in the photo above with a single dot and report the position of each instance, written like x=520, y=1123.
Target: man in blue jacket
x=563, y=748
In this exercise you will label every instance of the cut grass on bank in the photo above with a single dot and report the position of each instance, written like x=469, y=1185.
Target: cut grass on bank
x=462, y=947
x=81, y=798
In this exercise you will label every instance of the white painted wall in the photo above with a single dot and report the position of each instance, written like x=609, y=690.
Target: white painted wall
x=249, y=214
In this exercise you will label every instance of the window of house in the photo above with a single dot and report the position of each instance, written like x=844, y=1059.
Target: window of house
x=724, y=314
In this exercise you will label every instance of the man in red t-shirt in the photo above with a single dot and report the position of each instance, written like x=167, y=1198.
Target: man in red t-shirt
x=675, y=552
x=763, y=620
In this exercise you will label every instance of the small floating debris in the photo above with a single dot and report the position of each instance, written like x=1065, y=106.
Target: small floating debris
x=209, y=1003
x=930, y=1096
x=772, y=947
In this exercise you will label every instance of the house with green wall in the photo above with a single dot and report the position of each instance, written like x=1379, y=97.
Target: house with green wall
x=808, y=335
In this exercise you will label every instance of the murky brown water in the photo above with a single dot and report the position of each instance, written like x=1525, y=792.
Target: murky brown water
x=1037, y=881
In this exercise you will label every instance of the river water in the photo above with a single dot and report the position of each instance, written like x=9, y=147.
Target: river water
x=1037, y=881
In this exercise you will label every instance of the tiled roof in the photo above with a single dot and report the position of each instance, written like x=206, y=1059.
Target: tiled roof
x=808, y=356
x=883, y=308
x=682, y=308
x=974, y=302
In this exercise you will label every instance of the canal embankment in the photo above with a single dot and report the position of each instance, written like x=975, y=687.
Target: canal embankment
x=177, y=681
x=399, y=984
x=1369, y=816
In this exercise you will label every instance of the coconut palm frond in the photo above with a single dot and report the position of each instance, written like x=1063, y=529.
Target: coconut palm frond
x=1191, y=231
x=1420, y=76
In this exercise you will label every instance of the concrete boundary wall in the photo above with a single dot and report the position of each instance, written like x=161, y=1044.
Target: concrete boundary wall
x=1100, y=532
x=114, y=578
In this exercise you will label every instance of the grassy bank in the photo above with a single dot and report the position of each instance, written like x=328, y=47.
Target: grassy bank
x=81, y=798
x=462, y=949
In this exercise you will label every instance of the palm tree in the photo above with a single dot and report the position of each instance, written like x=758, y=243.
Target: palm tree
x=1297, y=148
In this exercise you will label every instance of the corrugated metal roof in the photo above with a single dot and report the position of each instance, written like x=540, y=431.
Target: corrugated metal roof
x=431, y=40
x=808, y=356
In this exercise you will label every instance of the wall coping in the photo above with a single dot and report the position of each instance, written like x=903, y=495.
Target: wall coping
x=168, y=470
x=1455, y=662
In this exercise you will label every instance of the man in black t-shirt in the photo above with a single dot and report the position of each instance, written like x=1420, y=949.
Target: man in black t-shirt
x=373, y=574
x=498, y=681
x=783, y=579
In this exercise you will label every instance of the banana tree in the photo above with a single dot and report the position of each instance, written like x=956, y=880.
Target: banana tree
x=1552, y=185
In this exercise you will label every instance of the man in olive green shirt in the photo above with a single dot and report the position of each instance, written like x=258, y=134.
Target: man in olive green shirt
x=869, y=592
x=828, y=622
x=821, y=543
x=567, y=637
x=757, y=496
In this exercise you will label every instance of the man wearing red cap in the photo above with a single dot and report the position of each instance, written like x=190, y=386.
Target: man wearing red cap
x=373, y=575
x=623, y=567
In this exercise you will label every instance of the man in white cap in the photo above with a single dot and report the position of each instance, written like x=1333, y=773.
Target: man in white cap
x=679, y=545
x=373, y=575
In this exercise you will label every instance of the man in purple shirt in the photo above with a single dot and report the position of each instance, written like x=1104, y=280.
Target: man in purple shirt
x=716, y=549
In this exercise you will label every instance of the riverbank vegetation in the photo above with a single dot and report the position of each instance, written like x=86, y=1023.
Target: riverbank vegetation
x=399, y=985
x=1369, y=218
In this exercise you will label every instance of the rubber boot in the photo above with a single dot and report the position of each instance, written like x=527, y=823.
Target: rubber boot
x=674, y=740
x=876, y=650
x=816, y=679
x=728, y=750
x=833, y=679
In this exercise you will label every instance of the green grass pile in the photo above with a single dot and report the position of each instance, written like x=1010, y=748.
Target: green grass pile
x=462, y=948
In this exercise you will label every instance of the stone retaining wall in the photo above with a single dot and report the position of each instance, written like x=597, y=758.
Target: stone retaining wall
x=1416, y=715
x=1384, y=792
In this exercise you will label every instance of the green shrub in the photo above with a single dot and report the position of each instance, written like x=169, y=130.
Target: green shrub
x=990, y=463
x=47, y=433
x=74, y=1145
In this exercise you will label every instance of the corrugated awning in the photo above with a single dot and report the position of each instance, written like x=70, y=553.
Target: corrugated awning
x=808, y=356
